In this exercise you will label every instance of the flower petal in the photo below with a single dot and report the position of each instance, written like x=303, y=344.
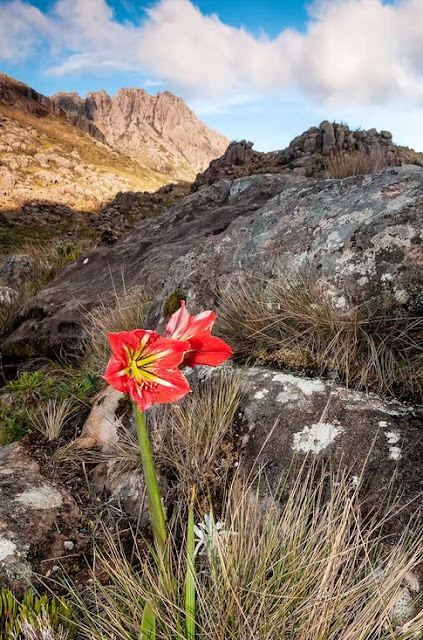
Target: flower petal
x=113, y=375
x=143, y=397
x=201, y=325
x=163, y=354
x=179, y=387
x=178, y=322
x=208, y=350
x=118, y=342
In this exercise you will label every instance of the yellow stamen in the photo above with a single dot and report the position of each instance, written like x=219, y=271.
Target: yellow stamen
x=153, y=358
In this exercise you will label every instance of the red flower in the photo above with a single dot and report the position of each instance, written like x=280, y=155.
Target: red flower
x=205, y=348
x=145, y=365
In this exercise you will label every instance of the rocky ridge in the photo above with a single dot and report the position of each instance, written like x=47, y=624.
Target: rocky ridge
x=47, y=159
x=157, y=130
x=308, y=154
x=19, y=95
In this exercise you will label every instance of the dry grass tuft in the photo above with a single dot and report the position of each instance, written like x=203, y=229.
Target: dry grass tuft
x=194, y=438
x=310, y=568
x=53, y=416
x=126, y=311
x=344, y=164
x=39, y=628
x=291, y=321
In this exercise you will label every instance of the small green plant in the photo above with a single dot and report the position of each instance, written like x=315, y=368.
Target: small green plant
x=68, y=252
x=14, y=423
x=172, y=303
x=31, y=383
x=31, y=608
x=43, y=399
x=42, y=385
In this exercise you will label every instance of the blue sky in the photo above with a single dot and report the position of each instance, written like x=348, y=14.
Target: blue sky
x=263, y=70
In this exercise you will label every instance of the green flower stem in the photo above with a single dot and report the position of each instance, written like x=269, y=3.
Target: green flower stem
x=153, y=495
x=190, y=576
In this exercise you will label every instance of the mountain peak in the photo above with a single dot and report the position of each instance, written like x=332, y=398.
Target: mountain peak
x=161, y=128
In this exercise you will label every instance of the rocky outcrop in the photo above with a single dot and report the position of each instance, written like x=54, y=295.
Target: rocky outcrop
x=37, y=518
x=363, y=235
x=287, y=421
x=332, y=137
x=128, y=207
x=160, y=130
x=19, y=95
x=307, y=154
x=239, y=160
x=147, y=255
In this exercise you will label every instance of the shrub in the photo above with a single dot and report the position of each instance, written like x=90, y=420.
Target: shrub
x=43, y=399
x=194, y=438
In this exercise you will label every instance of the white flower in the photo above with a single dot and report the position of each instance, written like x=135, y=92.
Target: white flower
x=206, y=534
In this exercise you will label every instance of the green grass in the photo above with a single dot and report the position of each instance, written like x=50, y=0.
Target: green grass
x=35, y=612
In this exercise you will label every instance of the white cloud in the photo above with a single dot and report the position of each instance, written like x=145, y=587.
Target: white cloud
x=353, y=51
x=22, y=29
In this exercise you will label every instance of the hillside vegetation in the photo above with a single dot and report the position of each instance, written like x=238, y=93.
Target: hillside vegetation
x=50, y=159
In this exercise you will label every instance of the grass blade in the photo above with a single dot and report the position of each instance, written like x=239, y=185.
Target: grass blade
x=148, y=623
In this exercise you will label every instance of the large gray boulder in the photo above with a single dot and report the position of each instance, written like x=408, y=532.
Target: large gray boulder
x=55, y=318
x=286, y=421
x=37, y=517
x=363, y=235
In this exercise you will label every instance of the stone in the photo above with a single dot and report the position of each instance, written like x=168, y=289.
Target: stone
x=290, y=420
x=352, y=231
x=287, y=419
x=328, y=137
x=386, y=134
x=161, y=243
x=7, y=182
x=8, y=297
x=37, y=515
x=101, y=426
x=16, y=269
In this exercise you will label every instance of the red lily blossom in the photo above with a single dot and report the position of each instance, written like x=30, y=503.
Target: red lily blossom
x=205, y=348
x=145, y=365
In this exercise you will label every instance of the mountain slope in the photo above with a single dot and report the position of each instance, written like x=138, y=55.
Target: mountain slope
x=159, y=131
x=49, y=154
